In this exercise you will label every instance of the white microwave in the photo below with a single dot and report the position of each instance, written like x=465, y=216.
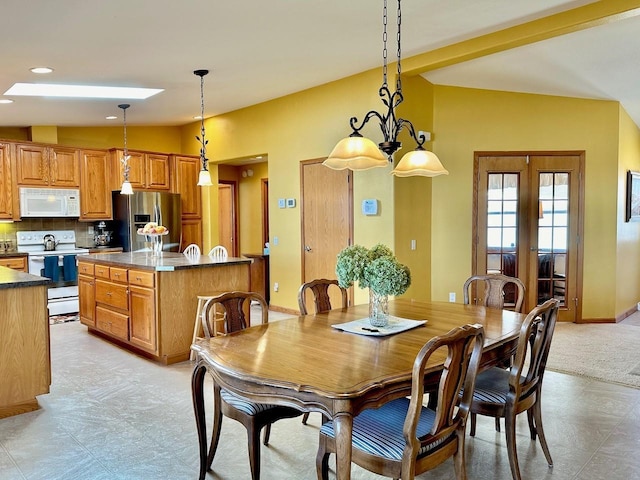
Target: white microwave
x=49, y=202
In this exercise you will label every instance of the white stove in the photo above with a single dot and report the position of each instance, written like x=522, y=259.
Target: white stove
x=63, y=295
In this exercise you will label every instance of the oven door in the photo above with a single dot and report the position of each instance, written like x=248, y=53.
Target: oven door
x=63, y=294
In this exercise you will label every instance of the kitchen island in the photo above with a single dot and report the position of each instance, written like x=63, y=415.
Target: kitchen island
x=147, y=304
x=25, y=366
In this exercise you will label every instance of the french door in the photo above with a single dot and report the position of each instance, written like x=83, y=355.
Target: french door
x=528, y=224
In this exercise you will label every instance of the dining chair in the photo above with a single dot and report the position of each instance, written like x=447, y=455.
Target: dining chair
x=218, y=252
x=403, y=437
x=192, y=251
x=320, y=288
x=495, y=287
x=254, y=416
x=504, y=394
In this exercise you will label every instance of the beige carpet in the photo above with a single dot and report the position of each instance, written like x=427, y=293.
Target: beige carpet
x=607, y=352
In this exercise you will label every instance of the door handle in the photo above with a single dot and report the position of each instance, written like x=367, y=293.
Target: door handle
x=307, y=248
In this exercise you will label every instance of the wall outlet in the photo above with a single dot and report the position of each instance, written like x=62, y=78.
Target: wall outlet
x=276, y=287
x=413, y=244
x=452, y=297
x=639, y=306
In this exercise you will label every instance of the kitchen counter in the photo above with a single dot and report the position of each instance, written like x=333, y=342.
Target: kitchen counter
x=101, y=249
x=10, y=278
x=167, y=262
x=5, y=254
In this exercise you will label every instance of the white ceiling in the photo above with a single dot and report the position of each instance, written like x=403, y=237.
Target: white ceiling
x=259, y=50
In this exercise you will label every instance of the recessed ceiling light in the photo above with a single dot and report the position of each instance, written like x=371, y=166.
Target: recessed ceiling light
x=111, y=117
x=80, y=91
x=6, y=100
x=41, y=70
x=197, y=117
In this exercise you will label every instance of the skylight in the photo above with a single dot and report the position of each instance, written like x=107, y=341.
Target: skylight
x=80, y=91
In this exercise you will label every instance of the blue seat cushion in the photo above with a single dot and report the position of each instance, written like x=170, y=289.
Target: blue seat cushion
x=492, y=386
x=379, y=431
x=244, y=405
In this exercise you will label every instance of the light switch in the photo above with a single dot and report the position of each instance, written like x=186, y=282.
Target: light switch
x=282, y=203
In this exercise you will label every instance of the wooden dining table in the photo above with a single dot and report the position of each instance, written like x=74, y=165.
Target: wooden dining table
x=306, y=363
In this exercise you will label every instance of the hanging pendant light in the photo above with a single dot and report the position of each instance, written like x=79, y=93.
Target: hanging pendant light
x=358, y=153
x=204, y=179
x=126, y=186
x=420, y=162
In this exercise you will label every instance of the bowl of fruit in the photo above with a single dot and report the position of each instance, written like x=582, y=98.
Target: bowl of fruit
x=153, y=228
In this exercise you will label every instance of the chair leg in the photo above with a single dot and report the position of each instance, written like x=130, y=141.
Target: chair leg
x=537, y=414
x=472, y=430
x=322, y=460
x=459, y=462
x=532, y=425
x=510, y=427
x=305, y=417
x=497, y=424
x=253, y=439
x=217, y=426
x=196, y=327
x=267, y=434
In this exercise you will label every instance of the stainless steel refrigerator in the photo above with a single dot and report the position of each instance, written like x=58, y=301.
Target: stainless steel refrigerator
x=131, y=212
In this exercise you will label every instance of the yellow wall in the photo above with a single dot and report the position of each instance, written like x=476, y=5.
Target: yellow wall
x=628, y=251
x=468, y=120
x=155, y=139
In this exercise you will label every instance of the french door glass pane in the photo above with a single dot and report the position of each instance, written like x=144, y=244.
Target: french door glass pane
x=553, y=232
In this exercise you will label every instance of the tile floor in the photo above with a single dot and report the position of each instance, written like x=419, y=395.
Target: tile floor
x=113, y=415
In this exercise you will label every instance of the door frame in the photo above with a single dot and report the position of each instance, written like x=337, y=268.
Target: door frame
x=579, y=247
x=234, y=215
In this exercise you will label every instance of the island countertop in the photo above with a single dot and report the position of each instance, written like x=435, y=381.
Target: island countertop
x=10, y=278
x=168, y=261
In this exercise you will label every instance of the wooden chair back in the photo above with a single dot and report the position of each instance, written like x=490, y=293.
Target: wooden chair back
x=494, y=293
x=218, y=252
x=192, y=251
x=232, y=305
x=322, y=300
x=531, y=356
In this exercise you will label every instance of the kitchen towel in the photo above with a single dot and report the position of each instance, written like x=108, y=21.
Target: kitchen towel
x=51, y=268
x=69, y=268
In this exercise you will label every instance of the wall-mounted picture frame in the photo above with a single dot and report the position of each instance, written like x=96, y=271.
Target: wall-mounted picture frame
x=633, y=196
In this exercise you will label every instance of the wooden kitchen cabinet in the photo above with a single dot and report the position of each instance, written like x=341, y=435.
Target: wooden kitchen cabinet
x=47, y=166
x=191, y=233
x=186, y=170
x=87, y=294
x=95, y=190
x=6, y=189
x=147, y=170
x=143, y=318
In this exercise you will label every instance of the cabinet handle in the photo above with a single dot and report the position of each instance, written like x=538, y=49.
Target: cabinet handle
x=139, y=279
x=109, y=293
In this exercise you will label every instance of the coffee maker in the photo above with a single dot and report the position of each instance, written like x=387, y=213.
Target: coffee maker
x=102, y=236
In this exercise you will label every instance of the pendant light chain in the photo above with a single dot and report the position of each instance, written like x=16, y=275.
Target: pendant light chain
x=203, y=152
x=384, y=44
x=125, y=155
x=398, y=80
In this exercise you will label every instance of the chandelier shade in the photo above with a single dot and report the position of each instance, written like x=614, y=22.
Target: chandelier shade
x=420, y=162
x=355, y=153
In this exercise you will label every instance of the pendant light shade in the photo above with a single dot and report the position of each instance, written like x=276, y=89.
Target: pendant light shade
x=420, y=162
x=355, y=153
x=204, y=179
x=126, y=186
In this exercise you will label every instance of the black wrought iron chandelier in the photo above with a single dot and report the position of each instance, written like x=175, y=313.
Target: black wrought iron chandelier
x=359, y=153
x=126, y=188
x=204, y=179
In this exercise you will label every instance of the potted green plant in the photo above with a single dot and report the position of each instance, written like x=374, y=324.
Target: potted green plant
x=377, y=269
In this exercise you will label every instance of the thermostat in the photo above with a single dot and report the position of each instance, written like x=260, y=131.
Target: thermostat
x=370, y=207
x=291, y=202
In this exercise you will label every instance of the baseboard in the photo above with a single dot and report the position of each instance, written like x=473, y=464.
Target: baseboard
x=289, y=311
x=597, y=320
x=626, y=313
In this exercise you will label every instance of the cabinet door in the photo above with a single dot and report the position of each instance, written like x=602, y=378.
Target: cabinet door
x=143, y=318
x=185, y=182
x=64, y=167
x=191, y=233
x=86, y=291
x=15, y=263
x=6, y=197
x=157, y=171
x=32, y=165
x=95, y=195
